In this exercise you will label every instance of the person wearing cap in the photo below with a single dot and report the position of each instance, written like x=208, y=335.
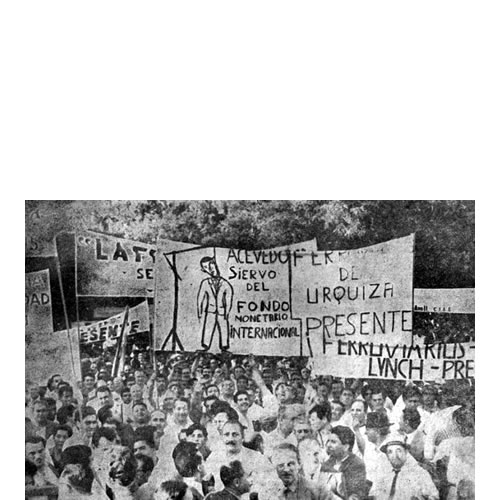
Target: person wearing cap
x=403, y=479
x=343, y=471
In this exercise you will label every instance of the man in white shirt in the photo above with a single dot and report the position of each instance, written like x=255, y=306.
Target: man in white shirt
x=403, y=479
x=232, y=435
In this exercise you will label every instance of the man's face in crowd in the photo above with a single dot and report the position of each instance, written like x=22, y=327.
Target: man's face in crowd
x=287, y=466
x=404, y=426
x=267, y=376
x=232, y=437
x=347, y=398
x=286, y=422
x=251, y=396
x=126, y=397
x=228, y=388
x=397, y=455
x=213, y=391
x=372, y=434
x=168, y=401
x=104, y=445
x=242, y=384
x=161, y=384
x=412, y=402
x=242, y=402
x=358, y=411
x=337, y=411
x=219, y=420
x=317, y=424
x=104, y=398
x=60, y=437
x=143, y=448
x=322, y=392
x=283, y=393
x=176, y=390
x=88, y=383
x=185, y=374
x=197, y=438
x=377, y=401
x=302, y=430
x=35, y=453
x=238, y=372
x=140, y=378
x=206, y=373
x=89, y=425
x=40, y=413
x=428, y=398
x=136, y=393
x=218, y=372
x=158, y=419
x=141, y=415
x=181, y=411
x=336, y=391
x=334, y=447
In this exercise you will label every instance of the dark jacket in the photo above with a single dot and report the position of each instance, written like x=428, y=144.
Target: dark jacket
x=353, y=472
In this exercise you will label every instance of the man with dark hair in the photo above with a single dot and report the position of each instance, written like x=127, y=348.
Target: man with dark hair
x=87, y=427
x=285, y=458
x=189, y=464
x=64, y=396
x=242, y=404
x=122, y=470
x=343, y=472
x=104, y=397
x=61, y=434
x=235, y=480
x=197, y=434
x=173, y=490
x=319, y=418
x=66, y=415
x=144, y=445
x=35, y=453
x=409, y=427
x=284, y=431
x=140, y=414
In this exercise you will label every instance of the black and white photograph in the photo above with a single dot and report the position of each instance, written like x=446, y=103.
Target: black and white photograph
x=250, y=349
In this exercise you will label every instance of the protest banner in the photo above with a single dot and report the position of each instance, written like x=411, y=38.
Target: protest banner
x=369, y=359
x=51, y=353
x=38, y=243
x=362, y=294
x=444, y=300
x=109, y=329
x=226, y=299
x=110, y=266
x=38, y=303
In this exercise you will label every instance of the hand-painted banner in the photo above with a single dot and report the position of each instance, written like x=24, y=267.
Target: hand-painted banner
x=363, y=294
x=38, y=303
x=53, y=353
x=226, y=299
x=365, y=359
x=110, y=266
x=109, y=329
x=444, y=300
x=39, y=241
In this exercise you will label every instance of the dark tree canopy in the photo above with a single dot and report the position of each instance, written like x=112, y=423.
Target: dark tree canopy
x=444, y=250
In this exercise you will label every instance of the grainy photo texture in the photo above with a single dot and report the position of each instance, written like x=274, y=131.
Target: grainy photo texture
x=292, y=350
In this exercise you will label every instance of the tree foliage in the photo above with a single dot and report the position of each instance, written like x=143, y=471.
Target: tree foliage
x=444, y=244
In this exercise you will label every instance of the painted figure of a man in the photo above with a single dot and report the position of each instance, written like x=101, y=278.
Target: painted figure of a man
x=215, y=298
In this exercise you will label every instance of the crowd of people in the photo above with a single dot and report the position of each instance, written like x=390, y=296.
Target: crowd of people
x=224, y=426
